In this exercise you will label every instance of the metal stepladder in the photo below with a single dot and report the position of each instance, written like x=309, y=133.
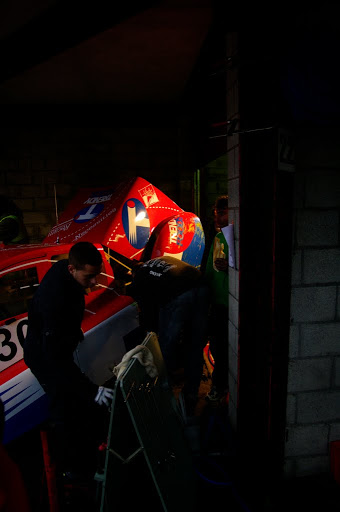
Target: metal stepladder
x=148, y=460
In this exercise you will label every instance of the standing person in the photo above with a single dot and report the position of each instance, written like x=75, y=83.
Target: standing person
x=173, y=300
x=216, y=273
x=13, y=493
x=78, y=407
x=12, y=227
x=209, y=233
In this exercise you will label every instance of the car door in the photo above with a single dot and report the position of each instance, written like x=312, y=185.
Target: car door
x=16, y=290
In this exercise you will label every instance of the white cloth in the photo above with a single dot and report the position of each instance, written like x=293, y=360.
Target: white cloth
x=143, y=355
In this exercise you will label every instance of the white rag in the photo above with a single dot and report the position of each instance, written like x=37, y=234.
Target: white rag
x=143, y=355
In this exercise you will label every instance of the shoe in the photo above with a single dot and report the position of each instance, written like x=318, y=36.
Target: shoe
x=215, y=395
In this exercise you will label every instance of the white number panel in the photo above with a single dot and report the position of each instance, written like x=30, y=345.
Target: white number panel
x=11, y=339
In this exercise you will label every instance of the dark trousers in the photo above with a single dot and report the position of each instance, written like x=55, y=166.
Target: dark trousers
x=218, y=344
x=78, y=425
x=187, y=313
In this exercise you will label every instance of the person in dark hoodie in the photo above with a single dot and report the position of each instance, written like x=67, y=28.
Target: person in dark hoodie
x=173, y=301
x=79, y=410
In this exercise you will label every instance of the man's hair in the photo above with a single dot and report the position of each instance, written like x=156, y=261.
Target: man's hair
x=84, y=253
x=221, y=202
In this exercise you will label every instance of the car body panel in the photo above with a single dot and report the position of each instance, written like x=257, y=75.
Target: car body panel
x=120, y=218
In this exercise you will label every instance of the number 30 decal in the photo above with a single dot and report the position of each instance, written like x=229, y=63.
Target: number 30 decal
x=20, y=331
x=6, y=342
x=11, y=342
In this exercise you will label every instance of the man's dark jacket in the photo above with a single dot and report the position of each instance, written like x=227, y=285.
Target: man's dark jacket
x=54, y=331
x=157, y=282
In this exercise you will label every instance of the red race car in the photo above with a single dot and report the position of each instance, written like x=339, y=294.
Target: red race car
x=121, y=221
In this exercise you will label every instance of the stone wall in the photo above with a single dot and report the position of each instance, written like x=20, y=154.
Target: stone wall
x=234, y=206
x=313, y=401
x=48, y=159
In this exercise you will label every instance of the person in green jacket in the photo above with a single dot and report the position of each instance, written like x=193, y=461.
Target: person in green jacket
x=216, y=274
x=12, y=227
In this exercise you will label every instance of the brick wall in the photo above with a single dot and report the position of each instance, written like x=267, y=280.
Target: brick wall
x=48, y=158
x=313, y=406
x=234, y=206
x=313, y=389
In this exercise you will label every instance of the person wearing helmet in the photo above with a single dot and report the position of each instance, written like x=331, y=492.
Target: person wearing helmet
x=12, y=227
x=216, y=273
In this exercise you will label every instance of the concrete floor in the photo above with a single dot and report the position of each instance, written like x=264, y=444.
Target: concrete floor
x=219, y=480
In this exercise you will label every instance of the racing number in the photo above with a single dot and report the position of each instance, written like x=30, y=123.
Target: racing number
x=11, y=345
x=7, y=343
x=20, y=332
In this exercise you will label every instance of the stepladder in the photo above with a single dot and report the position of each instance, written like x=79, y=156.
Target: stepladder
x=148, y=461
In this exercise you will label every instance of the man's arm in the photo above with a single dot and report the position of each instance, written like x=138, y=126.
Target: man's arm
x=222, y=264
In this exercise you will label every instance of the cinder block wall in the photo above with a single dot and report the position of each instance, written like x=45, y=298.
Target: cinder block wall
x=313, y=390
x=48, y=158
x=313, y=400
x=234, y=206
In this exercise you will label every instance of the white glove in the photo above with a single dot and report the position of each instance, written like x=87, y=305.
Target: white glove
x=104, y=396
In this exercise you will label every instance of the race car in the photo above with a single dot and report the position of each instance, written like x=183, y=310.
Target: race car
x=128, y=222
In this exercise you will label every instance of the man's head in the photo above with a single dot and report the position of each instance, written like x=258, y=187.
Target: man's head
x=221, y=211
x=85, y=263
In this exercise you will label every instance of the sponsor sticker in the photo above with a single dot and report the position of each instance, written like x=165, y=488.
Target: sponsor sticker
x=136, y=223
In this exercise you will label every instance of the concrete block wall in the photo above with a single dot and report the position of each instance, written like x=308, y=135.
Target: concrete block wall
x=234, y=205
x=313, y=399
x=37, y=164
